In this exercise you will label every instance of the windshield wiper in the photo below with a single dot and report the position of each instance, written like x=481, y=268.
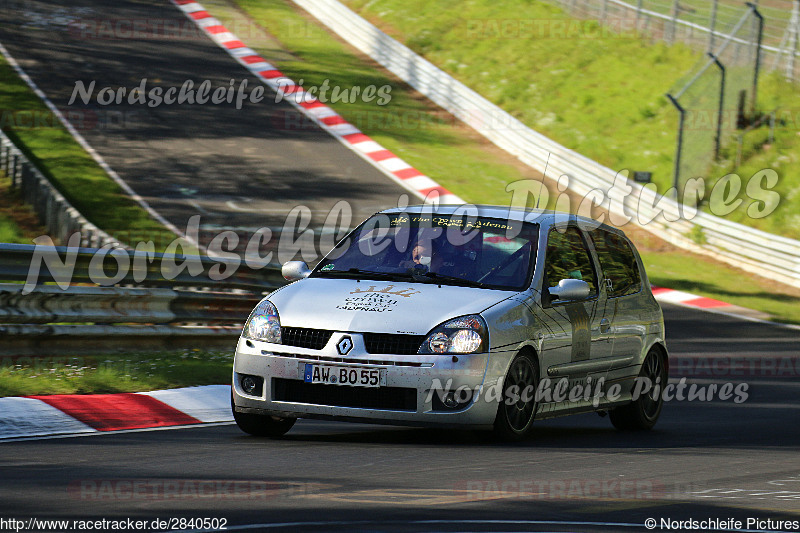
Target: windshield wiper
x=367, y=273
x=453, y=280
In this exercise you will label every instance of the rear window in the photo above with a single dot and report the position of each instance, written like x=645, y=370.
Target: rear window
x=620, y=270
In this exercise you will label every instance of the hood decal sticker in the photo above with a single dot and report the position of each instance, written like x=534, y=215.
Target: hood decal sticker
x=389, y=289
x=374, y=300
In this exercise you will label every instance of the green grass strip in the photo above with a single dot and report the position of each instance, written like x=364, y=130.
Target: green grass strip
x=699, y=275
x=45, y=141
x=131, y=372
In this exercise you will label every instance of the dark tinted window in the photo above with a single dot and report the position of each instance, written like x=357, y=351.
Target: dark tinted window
x=618, y=263
x=568, y=258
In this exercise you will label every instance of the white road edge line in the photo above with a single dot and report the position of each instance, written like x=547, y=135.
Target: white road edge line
x=117, y=432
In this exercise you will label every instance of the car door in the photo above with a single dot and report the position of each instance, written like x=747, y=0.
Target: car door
x=573, y=342
x=623, y=280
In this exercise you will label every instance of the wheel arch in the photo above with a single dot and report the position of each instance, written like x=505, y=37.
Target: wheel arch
x=662, y=348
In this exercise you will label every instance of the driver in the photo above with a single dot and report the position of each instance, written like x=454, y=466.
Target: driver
x=424, y=257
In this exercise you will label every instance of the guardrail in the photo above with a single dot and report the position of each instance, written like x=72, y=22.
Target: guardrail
x=744, y=247
x=176, y=300
x=59, y=217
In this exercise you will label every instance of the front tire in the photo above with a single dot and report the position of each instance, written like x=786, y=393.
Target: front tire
x=643, y=412
x=262, y=425
x=516, y=412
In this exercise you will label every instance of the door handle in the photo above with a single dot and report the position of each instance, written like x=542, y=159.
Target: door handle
x=605, y=325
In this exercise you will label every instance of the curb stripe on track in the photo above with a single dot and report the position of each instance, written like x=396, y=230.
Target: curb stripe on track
x=110, y=412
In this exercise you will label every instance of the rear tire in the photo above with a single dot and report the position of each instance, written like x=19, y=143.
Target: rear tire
x=262, y=425
x=516, y=412
x=643, y=412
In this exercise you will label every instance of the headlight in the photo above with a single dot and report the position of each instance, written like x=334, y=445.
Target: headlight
x=263, y=324
x=466, y=334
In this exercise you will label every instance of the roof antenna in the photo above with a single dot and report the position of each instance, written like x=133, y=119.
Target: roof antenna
x=544, y=174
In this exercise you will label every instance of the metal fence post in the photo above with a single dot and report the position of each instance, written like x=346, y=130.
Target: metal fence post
x=13, y=167
x=676, y=174
x=757, y=66
x=720, y=110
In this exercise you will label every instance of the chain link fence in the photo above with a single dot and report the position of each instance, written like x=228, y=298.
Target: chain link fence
x=702, y=24
x=719, y=94
x=717, y=97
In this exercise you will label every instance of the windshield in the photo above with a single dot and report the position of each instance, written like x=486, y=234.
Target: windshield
x=459, y=250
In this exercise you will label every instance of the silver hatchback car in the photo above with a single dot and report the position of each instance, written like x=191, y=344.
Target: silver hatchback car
x=476, y=316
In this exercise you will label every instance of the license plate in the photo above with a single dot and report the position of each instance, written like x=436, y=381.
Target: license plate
x=343, y=375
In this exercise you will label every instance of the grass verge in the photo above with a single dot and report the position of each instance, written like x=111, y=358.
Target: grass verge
x=595, y=91
x=96, y=374
x=18, y=222
x=703, y=276
x=44, y=140
x=10, y=232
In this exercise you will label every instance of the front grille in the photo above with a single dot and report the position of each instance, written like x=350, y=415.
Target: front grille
x=393, y=344
x=314, y=339
x=296, y=391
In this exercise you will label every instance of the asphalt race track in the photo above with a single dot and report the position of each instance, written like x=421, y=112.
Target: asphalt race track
x=241, y=168
x=703, y=460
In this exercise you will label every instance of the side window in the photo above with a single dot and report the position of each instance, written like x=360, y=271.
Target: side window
x=568, y=257
x=618, y=263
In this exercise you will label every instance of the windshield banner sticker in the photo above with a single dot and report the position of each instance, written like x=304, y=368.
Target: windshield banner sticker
x=449, y=222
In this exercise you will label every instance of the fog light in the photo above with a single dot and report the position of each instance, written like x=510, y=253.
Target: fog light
x=449, y=400
x=249, y=384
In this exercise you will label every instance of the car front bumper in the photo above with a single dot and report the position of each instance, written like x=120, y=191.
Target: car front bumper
x=285, y=394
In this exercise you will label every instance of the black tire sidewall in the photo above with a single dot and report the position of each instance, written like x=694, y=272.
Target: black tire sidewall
x=502, y=426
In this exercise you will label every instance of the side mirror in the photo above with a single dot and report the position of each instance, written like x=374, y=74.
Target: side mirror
x=295, y=270
x=570, y=289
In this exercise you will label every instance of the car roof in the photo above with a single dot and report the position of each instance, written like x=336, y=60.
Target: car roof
x=539, y=216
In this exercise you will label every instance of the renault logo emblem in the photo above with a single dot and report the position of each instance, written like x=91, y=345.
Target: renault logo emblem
x=345, y=345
